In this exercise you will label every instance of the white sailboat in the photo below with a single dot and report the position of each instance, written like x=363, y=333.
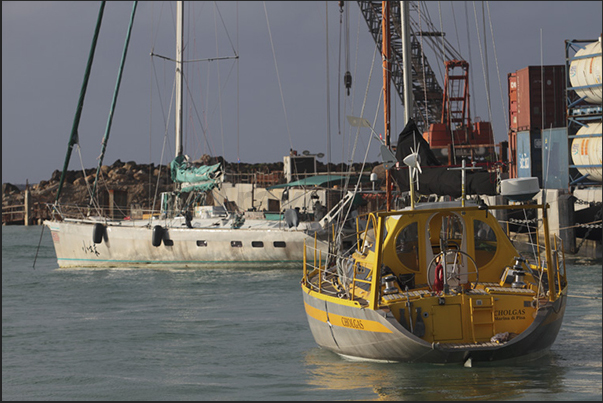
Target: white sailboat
x=212, y=237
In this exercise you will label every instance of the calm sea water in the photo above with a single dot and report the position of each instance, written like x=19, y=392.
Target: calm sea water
x=132, y=334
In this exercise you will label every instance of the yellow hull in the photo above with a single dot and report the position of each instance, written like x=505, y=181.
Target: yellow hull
x=452, y=330
x=438, y=283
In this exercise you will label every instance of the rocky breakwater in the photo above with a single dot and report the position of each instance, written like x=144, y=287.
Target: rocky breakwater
x=136, y=184
x=132, y=184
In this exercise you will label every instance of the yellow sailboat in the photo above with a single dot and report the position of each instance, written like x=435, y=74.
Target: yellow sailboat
x=437, y=282
x=440, y=281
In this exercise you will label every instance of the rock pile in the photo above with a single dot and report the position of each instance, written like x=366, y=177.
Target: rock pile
x=140, y=182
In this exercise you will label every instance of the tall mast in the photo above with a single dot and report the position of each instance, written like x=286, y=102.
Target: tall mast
x=406, y=71
x=179, y=81
x=73, y=139
x=386, y=95
x=408, y=96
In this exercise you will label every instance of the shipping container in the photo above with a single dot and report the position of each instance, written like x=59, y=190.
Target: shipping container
x=532, y=105
x=512, y=83
x=529, y=154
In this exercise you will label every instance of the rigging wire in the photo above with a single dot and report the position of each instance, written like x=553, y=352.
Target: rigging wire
x=423, y=70
x=502, y=102
x=472, y=81
x=347, y=76
x=448, y=107
x=165, y=133
x=482, y=59
x=344, y=218
x=487, y=69
x=544, y=143
x=152, y=208
x=165, y=118
x=219, y=84
x=349, y=136
x=456, y=30
x=339, y=69
x=353, y=96
x=278, y=75
x=328, y=88
x=238, y=92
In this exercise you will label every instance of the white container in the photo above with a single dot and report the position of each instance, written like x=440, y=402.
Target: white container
x=587, y=71
x=587, y=151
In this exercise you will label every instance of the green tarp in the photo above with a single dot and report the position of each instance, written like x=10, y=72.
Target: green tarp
x=201, y=178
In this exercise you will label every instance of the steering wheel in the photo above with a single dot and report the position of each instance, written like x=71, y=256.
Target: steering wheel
x=451, y=275
x=454, y=244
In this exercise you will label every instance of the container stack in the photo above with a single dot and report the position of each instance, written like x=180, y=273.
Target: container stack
x=583, y=63
x=536, y=104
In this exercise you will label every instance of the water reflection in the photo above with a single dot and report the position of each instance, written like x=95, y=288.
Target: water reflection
x=380, y=381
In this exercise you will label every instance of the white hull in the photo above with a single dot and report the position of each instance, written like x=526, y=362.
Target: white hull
x=130, y=244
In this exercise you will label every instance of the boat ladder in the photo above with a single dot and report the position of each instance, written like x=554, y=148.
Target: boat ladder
x=482, y=318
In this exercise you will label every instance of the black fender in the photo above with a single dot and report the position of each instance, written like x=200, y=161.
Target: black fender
x=157, y=235
x=98, y=233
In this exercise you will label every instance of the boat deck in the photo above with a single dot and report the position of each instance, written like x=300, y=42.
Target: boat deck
x=328, y=285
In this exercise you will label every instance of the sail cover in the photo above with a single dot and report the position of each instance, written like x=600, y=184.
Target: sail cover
x=193, y=178
x=437, y=179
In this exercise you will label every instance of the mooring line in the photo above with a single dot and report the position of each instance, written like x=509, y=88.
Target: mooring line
x=37, y=250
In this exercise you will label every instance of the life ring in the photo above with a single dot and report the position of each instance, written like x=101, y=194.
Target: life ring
x=98, y=232
x=157, y=235
x=438, y=281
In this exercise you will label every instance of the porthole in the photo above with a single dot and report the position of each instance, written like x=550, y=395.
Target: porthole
x=280, y=244
x=236, y=244
x=201, y=243
x=168, y=242
x=257, y=244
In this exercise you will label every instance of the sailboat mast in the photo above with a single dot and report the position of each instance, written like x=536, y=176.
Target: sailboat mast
x=179, y=81
x=73, y=139
x=406, y=71
x=386, y=93
x=408, y=95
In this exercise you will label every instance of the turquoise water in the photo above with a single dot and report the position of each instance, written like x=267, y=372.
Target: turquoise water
x=137, y=334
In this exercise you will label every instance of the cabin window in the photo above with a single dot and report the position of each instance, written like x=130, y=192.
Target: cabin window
x=257, y=244
x=280, y=244
x=485, y=242
x=451, y=232
x=168, y=242
x=236, y=244
x=407, y=245
x=445, y=231
x=201, y=243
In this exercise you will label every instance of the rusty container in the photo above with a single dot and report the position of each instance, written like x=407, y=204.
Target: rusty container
x=530, y=101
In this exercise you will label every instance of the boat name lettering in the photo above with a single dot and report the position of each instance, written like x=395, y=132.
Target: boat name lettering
x=353, y=323
x=509, y=314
